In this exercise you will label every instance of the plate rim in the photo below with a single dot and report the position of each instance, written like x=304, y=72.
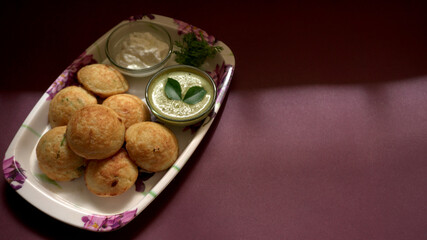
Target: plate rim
x=75, y=216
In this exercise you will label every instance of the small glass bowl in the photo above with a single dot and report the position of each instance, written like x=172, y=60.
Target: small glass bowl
x=183, y=121
x=120, y=34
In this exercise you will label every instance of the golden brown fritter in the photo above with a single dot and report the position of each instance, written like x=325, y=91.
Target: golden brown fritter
x=66, y=102
x=152, y=146
x=95, y=132
x=56, y=159
x=111, y=176
x=129, y=107
x=103, y=80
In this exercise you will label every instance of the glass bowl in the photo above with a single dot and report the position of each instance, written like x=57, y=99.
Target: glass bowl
x=177, y=112
x=138, y=48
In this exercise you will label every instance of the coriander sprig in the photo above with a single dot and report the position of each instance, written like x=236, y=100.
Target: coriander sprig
x=194, y=52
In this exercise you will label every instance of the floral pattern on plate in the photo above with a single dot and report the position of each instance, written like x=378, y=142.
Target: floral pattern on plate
x=107, y=220
x=184, y=28
x=13, y=173
x=100, y=223
x=219, y=74
x=69, y=76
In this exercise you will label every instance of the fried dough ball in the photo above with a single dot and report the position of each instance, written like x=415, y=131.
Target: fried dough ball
x=111, y=176
x=66, y=102
x=129, y=107
x=56, y=159
x=152, y=146
x=103, y=80
x=95, y=132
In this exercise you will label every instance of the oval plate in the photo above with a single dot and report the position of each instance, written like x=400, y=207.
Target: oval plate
x=71, y=202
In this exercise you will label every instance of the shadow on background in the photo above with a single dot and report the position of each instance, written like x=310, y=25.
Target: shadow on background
x=296, y=43
x=340, y=43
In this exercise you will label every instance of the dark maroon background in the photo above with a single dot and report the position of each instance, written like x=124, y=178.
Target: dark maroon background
x=323, y=134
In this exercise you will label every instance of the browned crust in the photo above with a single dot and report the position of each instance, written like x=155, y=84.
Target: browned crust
x=130, y=108
x=66, y=102
x=95, y=132
x=111, y=176
x=152, y=146
x=103, y=80
x=55, y=158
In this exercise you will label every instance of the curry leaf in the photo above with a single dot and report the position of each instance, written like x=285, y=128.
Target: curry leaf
x=173, y=89
x=194, y=95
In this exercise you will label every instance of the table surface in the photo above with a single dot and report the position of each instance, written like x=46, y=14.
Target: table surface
x=322, y=135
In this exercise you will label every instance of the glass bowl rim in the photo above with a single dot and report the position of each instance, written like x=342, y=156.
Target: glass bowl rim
x=141, y=70
x=181, y=66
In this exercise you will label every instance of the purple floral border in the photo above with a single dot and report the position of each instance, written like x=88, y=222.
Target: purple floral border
x=105, y=223
x=69, y=76
x=184, y=28
x=218, y=75
x=15, y=176
x=13, y=173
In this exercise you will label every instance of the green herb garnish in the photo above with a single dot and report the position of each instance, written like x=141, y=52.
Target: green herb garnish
x=62, y=141
x=173, y=89
x=193, y=51
x=194, y=94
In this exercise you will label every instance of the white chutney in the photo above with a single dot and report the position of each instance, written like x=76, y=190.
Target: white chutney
x=177, y=109
x=141, y=50
x=178, y=112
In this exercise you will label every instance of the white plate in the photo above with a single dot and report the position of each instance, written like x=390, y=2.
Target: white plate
x=71, y=202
